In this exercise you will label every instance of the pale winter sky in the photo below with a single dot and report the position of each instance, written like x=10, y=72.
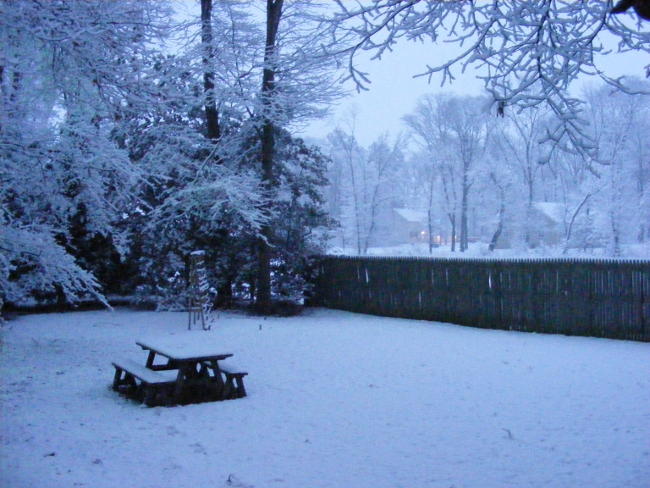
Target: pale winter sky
x=394, y=91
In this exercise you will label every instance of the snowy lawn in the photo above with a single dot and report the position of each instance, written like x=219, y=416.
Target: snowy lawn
x=335, y=400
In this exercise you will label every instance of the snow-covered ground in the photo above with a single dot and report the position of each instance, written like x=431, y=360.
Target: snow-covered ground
x=335, y=400
x=480, y=250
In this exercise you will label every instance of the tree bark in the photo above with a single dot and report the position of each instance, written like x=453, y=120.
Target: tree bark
x=213, y=130
x=212, y=127
x=464, y=239
x=567, y=237
x=452, y=221
x=529, y=216
x=430, y=230
x=502, y=211
x=429, y=212
x=641, y=171
x=263, y=288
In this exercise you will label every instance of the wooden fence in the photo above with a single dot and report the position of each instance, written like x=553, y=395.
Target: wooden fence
x=600, y=298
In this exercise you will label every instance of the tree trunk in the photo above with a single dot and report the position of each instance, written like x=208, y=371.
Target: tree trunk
x=355, y=199
x=567, y=237
x=224, y=294
x=429, y=215
x=452, y=220
x=499, y=229
x=529, y=216
x=641, y=171
x=502, y=212
x=430, y=230
x=616, y=235
x=213, y=131
x=263, y=288
x=464, y=238
x=212, y=128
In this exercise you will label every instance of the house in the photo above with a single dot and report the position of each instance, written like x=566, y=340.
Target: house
x=546, y=227
x=406, y=226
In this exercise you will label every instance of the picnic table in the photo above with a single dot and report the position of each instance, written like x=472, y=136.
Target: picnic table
x=177, y=372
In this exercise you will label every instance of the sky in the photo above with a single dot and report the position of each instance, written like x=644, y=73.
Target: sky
x=394, y=91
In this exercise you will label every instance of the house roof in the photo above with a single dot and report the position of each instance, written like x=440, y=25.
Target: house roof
x=552, y=210
x=411, y=215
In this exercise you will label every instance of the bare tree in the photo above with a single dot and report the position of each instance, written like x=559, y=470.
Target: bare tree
x=519, y=138
x=454, y=130
x=615, y=119
x=369, y=180
x=382, y=160
x=429, y=181
x=528, y=51
x=297, y=83
x=349, y=155
x=502, y=188
x=273, y=16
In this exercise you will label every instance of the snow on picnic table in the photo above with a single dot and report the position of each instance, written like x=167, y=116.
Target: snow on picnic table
x=188, y=346
x=335, y=400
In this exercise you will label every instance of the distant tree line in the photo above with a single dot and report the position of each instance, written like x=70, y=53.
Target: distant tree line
x=477, y=176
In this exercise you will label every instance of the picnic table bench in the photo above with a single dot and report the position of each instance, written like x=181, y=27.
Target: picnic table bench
x=234, y=384
x=153, y=388
x=177, y=373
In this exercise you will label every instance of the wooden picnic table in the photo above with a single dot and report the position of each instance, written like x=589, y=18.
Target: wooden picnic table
x=178, y=372
x=199, y=375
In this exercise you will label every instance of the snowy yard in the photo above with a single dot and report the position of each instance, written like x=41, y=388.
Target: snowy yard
x=335, y=400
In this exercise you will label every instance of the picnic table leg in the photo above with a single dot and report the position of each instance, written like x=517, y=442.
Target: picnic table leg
x=214, y=382
x=150, y=359
x=227, y=388
x=217, y=374
x=241, y=389
x=149, y=395
x=185, y=372
x=178, y=387
x=116, y=378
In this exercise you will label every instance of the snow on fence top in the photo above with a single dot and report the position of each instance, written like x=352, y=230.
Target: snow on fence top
x=492, y=261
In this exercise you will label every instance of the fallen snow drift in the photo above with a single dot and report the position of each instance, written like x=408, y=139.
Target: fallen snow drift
x=335, y=400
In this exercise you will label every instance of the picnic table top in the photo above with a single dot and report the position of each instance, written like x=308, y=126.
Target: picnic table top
x=183, y=349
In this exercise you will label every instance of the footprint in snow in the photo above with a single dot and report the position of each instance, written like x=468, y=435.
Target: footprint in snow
x=198, y=448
